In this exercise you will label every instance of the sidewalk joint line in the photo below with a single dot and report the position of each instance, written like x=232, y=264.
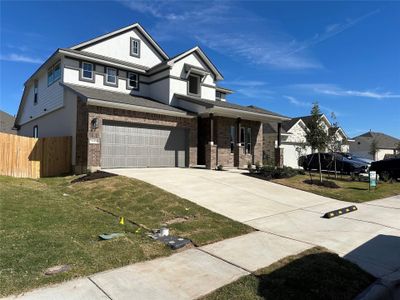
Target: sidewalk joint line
x=224, y=260
x=103, y=291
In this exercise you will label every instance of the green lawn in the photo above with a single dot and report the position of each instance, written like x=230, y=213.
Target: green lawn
x=312, y=274
x=40, y=227
x=352, y=191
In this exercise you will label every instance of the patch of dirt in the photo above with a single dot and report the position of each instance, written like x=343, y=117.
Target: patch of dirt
x=177, y=220
x=93, y=176
x=324, y=183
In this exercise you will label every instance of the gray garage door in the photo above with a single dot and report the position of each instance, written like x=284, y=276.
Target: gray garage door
x=126, y=145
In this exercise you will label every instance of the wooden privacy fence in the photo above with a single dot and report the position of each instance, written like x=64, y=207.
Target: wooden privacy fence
x=30, y=157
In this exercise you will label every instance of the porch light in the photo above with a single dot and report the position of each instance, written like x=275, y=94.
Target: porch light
x=94, y=123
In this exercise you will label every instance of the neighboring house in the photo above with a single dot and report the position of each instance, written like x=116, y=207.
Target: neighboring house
x=386, y=145
x=293, y=139
x=7, y=123
x=126, y=103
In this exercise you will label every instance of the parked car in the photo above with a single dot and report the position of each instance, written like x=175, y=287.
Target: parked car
x=357, y=158
x=387, y=168
x=343, y=164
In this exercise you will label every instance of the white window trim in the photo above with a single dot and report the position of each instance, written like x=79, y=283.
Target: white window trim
x=83, y=71
x=116, y=76
x=198, y=85
x=128, y=81
x=36, y=131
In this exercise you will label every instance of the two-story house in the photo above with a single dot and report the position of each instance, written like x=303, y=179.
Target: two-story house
x=292, y=139
x=126, y=103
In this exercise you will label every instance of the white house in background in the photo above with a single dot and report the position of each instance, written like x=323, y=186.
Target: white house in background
x=386, y=145
x=293, y=139
x=126, y=103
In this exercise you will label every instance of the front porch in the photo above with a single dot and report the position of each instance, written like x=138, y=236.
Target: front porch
x=230, y=142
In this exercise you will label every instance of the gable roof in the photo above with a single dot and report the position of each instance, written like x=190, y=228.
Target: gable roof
x=107, y=98
x=111, y=34
x=170, y=62
x=6, y=123
x=384, y=141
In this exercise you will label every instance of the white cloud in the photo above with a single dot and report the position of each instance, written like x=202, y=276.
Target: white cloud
x=334, y=90
x=21, y=58
x=306, y=104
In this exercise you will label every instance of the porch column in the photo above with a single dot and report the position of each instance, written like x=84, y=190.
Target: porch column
x=278, y=149
x=238, y=153
x=211, y=149
x=279, y=134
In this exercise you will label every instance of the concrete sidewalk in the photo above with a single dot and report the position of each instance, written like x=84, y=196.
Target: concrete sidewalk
x=186, y=275
x=369, y=236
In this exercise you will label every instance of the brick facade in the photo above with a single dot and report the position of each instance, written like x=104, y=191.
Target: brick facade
x=222, y=127
x=89, y=140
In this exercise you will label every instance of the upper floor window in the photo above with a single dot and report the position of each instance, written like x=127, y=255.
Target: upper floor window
x=135, y=47
x=133, y=80
x=194, y=85
x=53, y=73
x=35, y=91
x=35, y=133
x=111, y=76
x=218, y=95
x=87, y=70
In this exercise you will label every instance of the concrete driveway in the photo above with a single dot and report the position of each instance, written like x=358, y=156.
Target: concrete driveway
x=370, y=236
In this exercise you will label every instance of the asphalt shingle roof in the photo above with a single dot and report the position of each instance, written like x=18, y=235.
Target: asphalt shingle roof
x=6, y=123
x=122, y=98
x=225, y=104
x=384, y=141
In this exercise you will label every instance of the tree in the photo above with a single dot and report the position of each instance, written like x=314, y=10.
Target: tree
x=373, y=149
x=316, y=136
x=334, y=143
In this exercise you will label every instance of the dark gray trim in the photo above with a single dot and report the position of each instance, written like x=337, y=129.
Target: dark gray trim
x=128, y=87
x=131, y=48
x=199, y=85
x=105, y=76
x=81, y=78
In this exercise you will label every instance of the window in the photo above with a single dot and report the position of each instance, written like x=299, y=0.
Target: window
x=35, y=131
x=53, y=73
x=248, y=140
x=111, y=76
x=194, y=85
x=232, y=137
x=218, y=95
x=133, y=80
x=135, y=47
x=87, y=71
x=242, y=135
x=35, y=92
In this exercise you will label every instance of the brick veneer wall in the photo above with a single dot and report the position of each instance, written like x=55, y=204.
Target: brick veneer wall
x=222, y=140
x=85, y=133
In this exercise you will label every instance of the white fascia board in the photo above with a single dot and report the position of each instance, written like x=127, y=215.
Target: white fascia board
x=131, y=107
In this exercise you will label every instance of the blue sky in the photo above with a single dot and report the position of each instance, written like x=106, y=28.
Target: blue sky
x=278, y=55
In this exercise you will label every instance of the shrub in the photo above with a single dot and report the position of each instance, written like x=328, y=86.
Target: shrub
x=220, y=168
x=258, y=166
x=324, y=183
x=271, y=172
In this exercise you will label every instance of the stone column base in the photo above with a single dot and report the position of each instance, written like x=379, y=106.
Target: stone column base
x=211, y=156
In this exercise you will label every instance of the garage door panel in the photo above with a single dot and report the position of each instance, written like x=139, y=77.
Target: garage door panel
x=124, y=145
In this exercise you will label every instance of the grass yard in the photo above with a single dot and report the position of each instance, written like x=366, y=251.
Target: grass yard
x=51, y=222
x=312, y=274
x=352, y=191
